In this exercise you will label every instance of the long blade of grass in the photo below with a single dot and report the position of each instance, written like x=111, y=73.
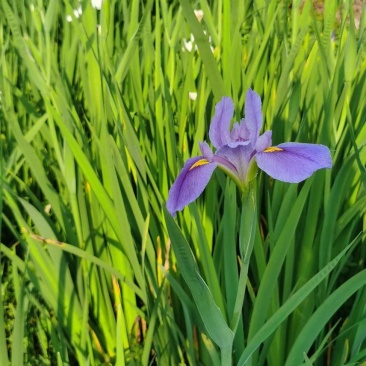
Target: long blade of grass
x=288, y=307
x=104, y=199
x=322, y=315
x=20, y=321
x=133, y=44
x=203, y=299
x=276, y=260
x=206, y=55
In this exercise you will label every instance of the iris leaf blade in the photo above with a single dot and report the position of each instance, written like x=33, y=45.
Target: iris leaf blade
x=208, y=309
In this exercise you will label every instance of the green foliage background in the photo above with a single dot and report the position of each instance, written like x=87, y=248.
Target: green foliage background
x=96, y=122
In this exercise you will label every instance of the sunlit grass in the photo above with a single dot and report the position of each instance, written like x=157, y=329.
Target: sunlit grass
x=96, y=122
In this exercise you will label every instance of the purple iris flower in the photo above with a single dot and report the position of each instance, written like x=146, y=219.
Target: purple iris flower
x=238, y=149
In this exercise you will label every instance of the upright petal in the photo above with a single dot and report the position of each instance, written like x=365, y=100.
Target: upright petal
x=253, y=115
x=235, y=132
x=220, y=125
x=239, y=131
x=293, y=162
x=206, y=151
x=263, y=141
x=190, y=183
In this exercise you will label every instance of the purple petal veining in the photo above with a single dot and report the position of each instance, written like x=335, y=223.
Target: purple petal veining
x=295, y=161
x=220, y=125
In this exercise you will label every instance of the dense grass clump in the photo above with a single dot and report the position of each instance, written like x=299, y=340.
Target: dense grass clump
x=99, y=109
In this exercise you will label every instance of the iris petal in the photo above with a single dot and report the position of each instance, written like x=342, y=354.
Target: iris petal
x=263, y=141
x=253, y=115
x=238, y=157
x=220, y=125
x=206, y=151
x=239, y=131
x=238, y=143
x=294, y=162
x=190, y=183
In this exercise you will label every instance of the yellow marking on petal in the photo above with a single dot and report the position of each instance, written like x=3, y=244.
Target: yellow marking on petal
x=199, y=163
x=272, y=149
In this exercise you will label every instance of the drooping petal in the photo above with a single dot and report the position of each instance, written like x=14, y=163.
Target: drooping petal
x=190, y=183
x=253, y=115
x=293, y=162
x=220, y=125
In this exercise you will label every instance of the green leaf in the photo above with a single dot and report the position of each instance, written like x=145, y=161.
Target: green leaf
x=323, y=314
x=201, y=39
x=207, y=308
x=287, y=308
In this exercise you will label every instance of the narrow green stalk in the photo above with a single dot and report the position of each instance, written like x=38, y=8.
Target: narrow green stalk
x=226, y=356
x=3, y=351
x=246, y=241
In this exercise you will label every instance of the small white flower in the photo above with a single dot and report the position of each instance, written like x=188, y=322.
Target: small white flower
x=48, y=208
x=192, y=95
x=199, y=14
x=188, y=44
x=78, y=11
x=69, y=18
x=97, y=4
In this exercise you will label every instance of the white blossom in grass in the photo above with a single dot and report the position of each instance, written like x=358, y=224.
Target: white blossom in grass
x=97, y=4
x=199, y=14
x=48, y=208
x=192, y=95
x=78, y=11
x=189, y=44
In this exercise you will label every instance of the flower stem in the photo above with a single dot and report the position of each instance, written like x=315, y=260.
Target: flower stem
x=246, y=241
x=226, y=356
